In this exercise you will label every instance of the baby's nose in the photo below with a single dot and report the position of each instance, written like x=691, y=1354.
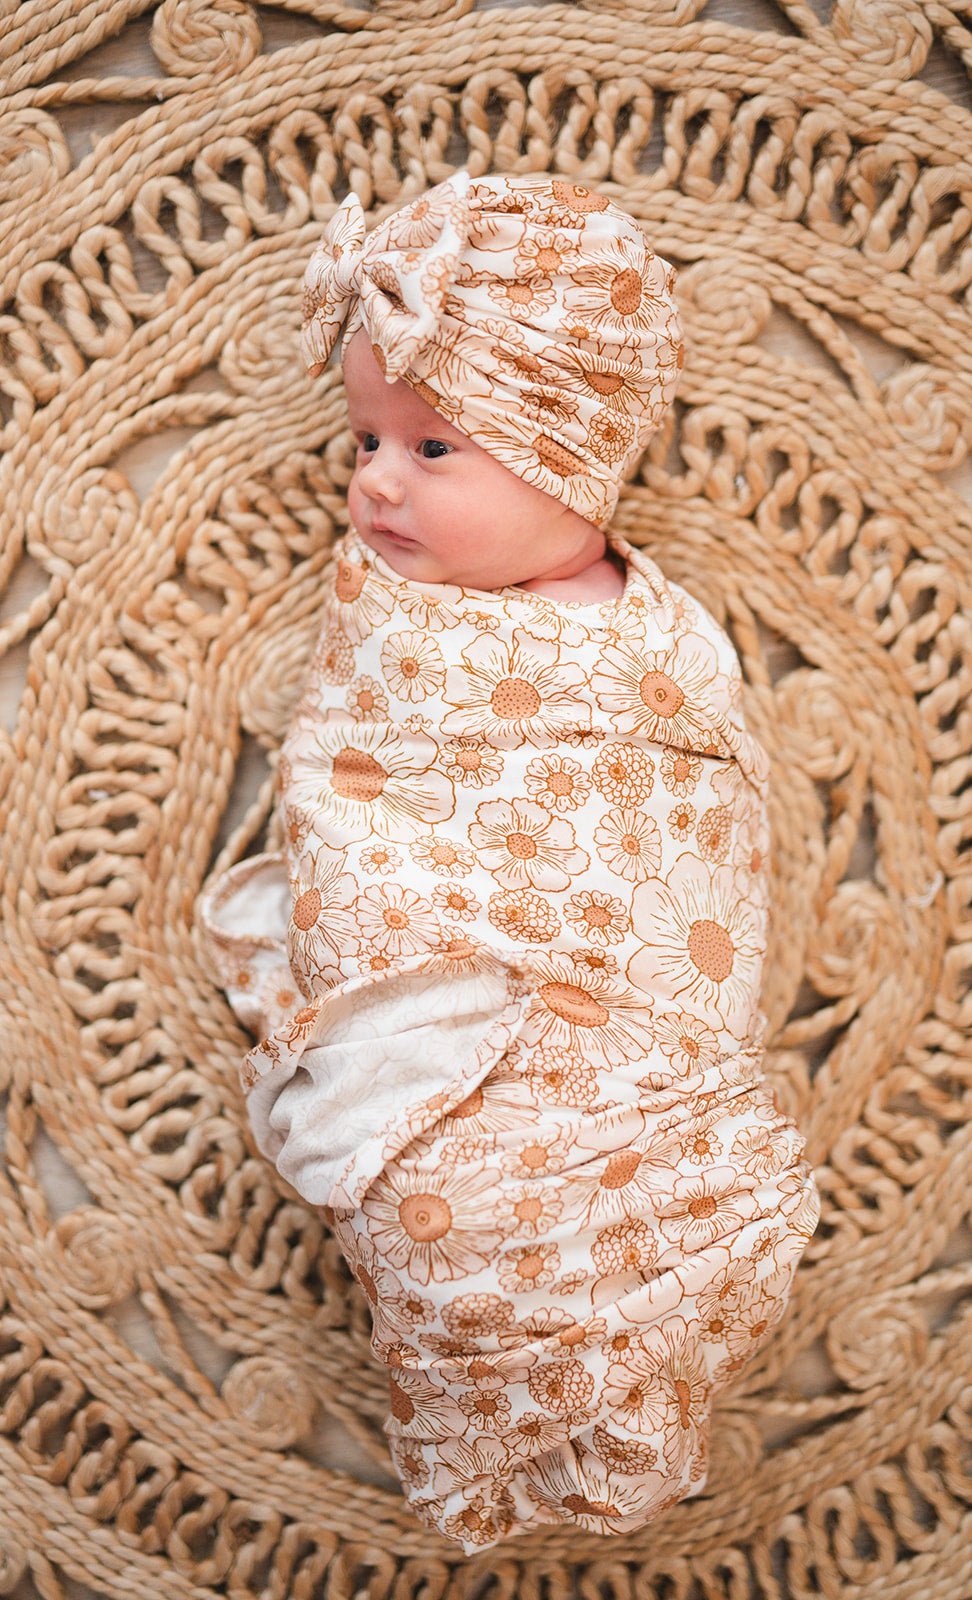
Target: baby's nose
x=380, y=476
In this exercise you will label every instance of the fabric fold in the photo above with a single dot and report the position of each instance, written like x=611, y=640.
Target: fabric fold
x=524, y=901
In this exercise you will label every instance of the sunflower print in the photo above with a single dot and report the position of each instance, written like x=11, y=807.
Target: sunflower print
x=522, y=923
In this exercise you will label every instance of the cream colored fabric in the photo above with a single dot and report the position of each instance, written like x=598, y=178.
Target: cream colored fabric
x=529, y=311
x=526, y=878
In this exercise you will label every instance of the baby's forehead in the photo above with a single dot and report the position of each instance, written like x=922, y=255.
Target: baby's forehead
x=371, y=399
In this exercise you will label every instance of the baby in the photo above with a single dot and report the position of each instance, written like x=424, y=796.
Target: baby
x=524, y=890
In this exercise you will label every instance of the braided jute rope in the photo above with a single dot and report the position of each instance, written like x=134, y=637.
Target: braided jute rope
x=187, y=1403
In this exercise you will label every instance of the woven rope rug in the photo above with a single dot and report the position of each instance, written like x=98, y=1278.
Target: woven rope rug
x=187, y=1404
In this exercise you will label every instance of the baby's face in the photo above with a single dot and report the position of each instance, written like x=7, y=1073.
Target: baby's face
x=437, y=507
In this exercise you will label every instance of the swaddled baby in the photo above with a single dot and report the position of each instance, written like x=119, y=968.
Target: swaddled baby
x=523, y=895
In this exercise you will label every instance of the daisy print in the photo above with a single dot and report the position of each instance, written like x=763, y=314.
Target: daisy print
x=358, y=606
x=471, y=764
x=441, y=856
x=662, y=695
x=681, y=821
x=523, y=846
x=435, y=1226
x=616, y=294
x=582, y=1490
x=690, y=1045
x=413, y=665
x=528, y=1211
x=454, y=900
x=364, y=780
x=366, y=700
x=428, y=612
x=592, y=1016
x=558, y=783
x=680, y=772
x=511, y=692
x=320, y=912
x=598, y=916
x=395, y=920
x=629, y=844
x=380, y=858
x=706, y=945
x=704, y=1207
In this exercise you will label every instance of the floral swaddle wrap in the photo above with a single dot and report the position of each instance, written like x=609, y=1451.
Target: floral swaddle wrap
x=523, y=896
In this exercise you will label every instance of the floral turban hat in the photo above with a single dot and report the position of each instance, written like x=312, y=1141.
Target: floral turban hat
x=530, y=312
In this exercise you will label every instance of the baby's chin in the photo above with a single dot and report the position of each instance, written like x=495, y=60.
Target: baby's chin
x=413, y=561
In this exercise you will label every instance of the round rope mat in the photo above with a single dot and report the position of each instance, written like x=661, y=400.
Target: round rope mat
x=187, y=1406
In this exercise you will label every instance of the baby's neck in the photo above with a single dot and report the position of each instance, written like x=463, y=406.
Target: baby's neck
x=603, y=579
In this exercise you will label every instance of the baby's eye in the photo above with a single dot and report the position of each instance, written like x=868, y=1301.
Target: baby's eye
x=434, y=449
x=369, y=442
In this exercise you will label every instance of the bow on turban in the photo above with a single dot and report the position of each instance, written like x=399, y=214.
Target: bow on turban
x=528, y=311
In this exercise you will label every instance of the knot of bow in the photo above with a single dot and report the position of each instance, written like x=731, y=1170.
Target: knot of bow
x=397, y=277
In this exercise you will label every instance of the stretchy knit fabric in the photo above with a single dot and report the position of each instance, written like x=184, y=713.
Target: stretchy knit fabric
x=506, y=973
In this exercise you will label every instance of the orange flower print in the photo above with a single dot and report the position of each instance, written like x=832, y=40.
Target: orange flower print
x=333, y=659
x=622, y=1455
x=623, y=774
x=629, y=843
x=452, y=900
x=579, y=1489
x=511, y=693
x=706, y=945
x=704, y=1207
x=615, y=295
x=437, y=1226
x=521, y=915
x=562, y=1078
x=634, y=1392
x=557, y=783
x=320, y=915
x=395, y=920
x=489, y=1409
x=413, y=665
x=409, y=1463
x=597, y=961
x=360, y=780
x=470, y=763
x=714, y=833
x=442, y=857
x=663, y=695
x=420, y=1409
x=523, y=846
x=681, y=1367
x=431, y=612
x=476, y=1316
x=534, y=1435
x=689, y=1044
x=763, y=1151
x=528, y=1211
x=587, y=1014
x=357, y=605
x=624, y=1247
x=550, y=406
x=624, y=1184
x=681, y=820
x=380, y=858
x=366, y=700
x=525, y=299
x=610, y=435
x=680, y=772
x=561, y=1385
x=702, y=1147
x=753, y=1321
x=544, y=1152
x=598, y=916
x=528, y=1266
x=545, y=252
